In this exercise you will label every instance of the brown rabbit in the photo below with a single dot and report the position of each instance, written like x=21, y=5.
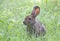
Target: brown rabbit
x=33, y=26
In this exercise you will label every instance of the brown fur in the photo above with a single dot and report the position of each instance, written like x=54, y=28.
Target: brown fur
x=34, y=27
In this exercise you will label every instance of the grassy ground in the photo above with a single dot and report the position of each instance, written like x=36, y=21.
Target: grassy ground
x=13, y=12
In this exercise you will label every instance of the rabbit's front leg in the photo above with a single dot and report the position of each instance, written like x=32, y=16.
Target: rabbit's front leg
x=29, y=31
x=35, y=32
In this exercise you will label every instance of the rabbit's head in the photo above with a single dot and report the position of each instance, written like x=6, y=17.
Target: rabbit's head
x=30, y=19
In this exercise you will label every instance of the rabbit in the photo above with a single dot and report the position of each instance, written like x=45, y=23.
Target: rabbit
x=34, y=27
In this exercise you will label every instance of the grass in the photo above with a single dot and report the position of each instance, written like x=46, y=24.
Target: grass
x=13, y=12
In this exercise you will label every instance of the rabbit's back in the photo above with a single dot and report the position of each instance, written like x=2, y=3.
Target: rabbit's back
x=39, y=28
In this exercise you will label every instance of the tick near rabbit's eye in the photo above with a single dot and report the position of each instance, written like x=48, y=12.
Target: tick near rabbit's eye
x=29, y=18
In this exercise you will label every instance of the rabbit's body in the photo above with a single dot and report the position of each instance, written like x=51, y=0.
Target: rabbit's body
x=40, y=28
x=34, y=27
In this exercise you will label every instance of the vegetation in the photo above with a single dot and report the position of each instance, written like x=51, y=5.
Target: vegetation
x=13, y=12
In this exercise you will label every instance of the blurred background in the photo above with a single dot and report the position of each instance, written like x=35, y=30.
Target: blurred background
x=13, y=12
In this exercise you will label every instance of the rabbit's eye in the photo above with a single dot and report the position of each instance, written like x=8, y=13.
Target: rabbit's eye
x=29, y=18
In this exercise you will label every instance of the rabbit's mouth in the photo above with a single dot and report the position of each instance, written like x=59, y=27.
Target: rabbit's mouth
x=27, y=23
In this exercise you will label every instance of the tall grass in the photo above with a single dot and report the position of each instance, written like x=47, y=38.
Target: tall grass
x=13, y=12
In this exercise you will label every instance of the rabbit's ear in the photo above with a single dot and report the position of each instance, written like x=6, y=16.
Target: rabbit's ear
x=35, y=11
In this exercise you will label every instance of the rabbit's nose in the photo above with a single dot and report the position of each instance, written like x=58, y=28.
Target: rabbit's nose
x=24, y=23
